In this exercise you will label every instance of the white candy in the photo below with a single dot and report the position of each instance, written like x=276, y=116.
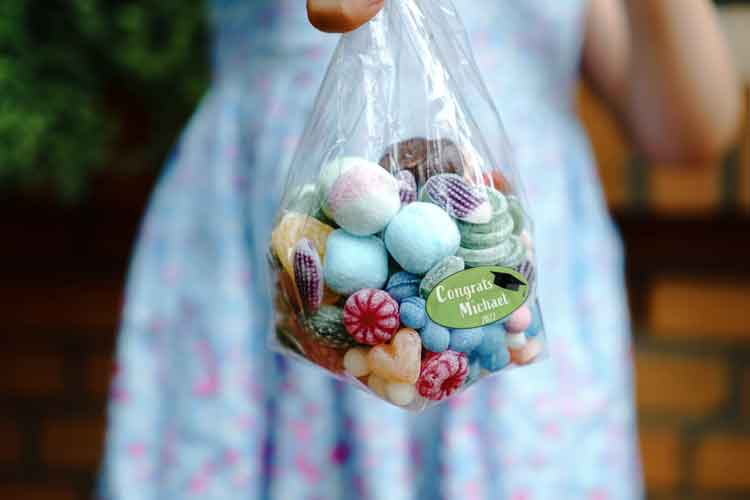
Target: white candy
x=400, y=394
x=355, y=362
x=378, y=385
x=331, y=171
x=515, y=341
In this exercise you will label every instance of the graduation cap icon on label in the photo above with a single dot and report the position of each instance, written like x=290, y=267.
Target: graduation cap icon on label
x=507, y=281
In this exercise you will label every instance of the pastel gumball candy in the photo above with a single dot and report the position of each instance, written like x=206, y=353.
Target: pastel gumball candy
x=466, y=340
x=330, y=173
x=515, y=341
x=354, y=262
x=495, y=361
x=435, y=338
x=402, y=285
x=493, y=340
x=399, y=360
x=355, y=362
x=420, y=235
x=519, y=321
x=378, y=385
x=371, y=316
x=400, y=394
x=534, y=347
x=536, y=327
x=442, y=374
x=363, y=199
x=412, y=313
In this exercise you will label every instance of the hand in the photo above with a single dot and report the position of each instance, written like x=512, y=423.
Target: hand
x=340, y=16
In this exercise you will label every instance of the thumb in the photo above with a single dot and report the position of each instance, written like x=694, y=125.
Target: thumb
x=340, y=16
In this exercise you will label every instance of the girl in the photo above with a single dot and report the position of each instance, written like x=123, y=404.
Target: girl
x=200, y=408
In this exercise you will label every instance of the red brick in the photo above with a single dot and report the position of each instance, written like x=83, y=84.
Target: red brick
x=99, y=371
x=37, y=492
x=10, y=441
x=73, y=442
x=691, y=307
x=680, y=385
x=23, y=374
x=660, y=451
x=721, y=462
x=89, y=306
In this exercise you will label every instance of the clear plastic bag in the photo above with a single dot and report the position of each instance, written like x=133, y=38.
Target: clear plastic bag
x=402, y=255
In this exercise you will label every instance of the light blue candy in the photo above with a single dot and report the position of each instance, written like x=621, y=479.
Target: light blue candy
x=493, y=340
x=354, y=262
x=466, y=339
x=495, y=361
x=402, y=285
x=435, y=338
x=475, y=369
x=412, y=312
x=536, y=327
x=420, y=235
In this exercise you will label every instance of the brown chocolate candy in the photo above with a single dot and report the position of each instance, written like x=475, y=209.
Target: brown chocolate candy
x=424, y=158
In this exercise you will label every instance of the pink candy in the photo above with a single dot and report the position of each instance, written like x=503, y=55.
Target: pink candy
x=371, y=316
x=442, y=374
x=519, y=321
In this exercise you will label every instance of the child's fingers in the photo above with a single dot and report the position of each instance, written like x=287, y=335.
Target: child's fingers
x=340, y=16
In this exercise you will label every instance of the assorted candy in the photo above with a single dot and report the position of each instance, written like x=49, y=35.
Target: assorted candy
x=358, y=252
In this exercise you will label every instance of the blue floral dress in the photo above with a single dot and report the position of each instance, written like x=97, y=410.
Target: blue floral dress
x=201, y=409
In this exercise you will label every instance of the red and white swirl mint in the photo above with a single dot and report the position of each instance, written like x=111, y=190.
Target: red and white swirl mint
x=371, y=316
x=441, y=374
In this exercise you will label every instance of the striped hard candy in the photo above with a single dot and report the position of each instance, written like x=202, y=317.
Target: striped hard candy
x=442, y=374
x=293, y=227
x=308, y=275
x=446, y=267
x=371, y=316
x=457, y=197
x=327, y=327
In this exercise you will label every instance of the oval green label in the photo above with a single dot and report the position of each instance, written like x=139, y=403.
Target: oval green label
x=477, y=297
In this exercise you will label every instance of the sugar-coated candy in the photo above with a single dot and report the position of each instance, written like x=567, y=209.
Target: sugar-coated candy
x=412, y=313
x=293, y=227
x=519, y=321
x=371, y=316
x=354, y=262
x=399, y=360
x=515, y=341
x=529, y=353
x=363, y=199
x=308, y=274
x=465, y=339
x=420, y=235
x=327, y=327
x=536, y=327
x=461, y=200
x=355, y=362
x=402, y=285
x=378, y=385
x=442, y=374
x=446, y=267
x=400, y=394
x=330, y=173
x=516, y=255
x=495, y=361
x=493, y=339
x=497, y=231
x=407, y=187
x=435, y=338
x=475, y=370
x=322, y=355
x=491, y=256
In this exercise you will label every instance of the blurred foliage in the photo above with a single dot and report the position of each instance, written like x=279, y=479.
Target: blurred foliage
x=78, y=77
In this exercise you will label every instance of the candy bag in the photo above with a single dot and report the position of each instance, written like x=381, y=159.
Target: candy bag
x=402, y=256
